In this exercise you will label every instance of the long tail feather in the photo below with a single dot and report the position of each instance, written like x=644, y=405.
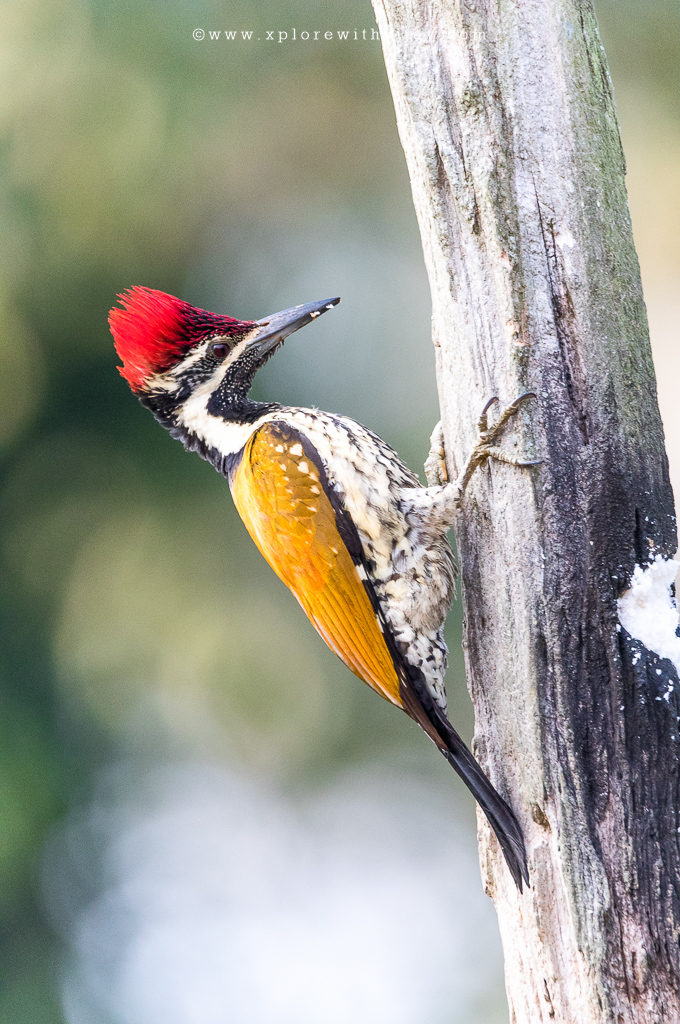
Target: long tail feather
x=418, y=702
x=501, y=818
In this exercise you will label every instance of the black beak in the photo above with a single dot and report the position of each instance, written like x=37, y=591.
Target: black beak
x=273, y=329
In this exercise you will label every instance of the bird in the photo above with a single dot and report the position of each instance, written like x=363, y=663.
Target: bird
x=343, y=522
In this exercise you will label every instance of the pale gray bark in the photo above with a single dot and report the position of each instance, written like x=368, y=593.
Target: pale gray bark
x=506, y=116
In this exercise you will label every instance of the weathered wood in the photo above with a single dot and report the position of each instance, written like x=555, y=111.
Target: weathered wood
x=506, y=116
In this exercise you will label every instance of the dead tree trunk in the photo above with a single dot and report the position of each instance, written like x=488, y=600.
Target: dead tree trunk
x=506, y=116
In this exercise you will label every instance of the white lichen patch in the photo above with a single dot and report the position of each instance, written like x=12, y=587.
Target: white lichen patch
x=565, y=239
x=648, y=611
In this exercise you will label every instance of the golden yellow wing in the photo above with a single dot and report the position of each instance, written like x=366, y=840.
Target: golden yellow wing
x=280, y=493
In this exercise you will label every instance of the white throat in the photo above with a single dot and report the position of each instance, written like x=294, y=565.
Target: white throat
x=224, y=435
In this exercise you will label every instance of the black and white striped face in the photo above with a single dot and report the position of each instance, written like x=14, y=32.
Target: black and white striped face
x=209, y=384
x=203, y=368
x=204, y=396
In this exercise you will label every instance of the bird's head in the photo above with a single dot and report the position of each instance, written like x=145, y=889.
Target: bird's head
x=173, y=353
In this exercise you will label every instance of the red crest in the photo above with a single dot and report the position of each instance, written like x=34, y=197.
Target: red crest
x=152, y=330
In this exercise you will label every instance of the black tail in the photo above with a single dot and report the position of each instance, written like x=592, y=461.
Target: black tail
x=501, y=818
x=418, y=702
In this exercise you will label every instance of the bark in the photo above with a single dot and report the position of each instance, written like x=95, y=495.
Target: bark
x=506, y=116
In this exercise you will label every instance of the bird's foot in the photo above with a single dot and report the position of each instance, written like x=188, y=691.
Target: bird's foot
x=486, y=447
x=488, y=435
x=436, y=472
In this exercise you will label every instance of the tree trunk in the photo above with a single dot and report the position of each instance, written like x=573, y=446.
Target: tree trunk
x=507, y=119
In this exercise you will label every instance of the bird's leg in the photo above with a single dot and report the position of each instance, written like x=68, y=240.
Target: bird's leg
x=441, y=501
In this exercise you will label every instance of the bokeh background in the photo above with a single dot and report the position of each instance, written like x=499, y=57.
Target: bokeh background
x=203, y=817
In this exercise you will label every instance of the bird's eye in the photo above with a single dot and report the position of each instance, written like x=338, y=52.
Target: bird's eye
x=219, y=349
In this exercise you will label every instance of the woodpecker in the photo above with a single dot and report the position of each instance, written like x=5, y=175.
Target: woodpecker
x=340, y=519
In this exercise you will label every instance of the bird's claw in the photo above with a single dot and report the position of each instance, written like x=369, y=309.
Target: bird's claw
x=483, y=422
x=486, y=447
x=491, y=452
x=489, y=434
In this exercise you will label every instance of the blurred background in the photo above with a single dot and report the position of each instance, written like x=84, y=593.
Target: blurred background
x=203, y=817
